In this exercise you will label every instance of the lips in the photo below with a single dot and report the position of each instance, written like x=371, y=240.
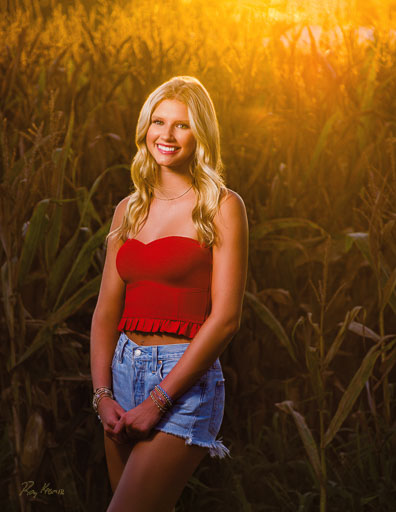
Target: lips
x=165, y=149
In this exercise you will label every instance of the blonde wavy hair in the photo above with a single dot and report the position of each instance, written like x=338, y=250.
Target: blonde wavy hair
x=206, y=167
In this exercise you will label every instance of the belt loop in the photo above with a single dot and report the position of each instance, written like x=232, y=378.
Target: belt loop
x=154, y=359
x=122, y=346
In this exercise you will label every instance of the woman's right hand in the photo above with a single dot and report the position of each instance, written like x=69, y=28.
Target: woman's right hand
x=110, y=412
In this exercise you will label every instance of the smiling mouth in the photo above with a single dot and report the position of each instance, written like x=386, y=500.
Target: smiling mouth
x=167, y=149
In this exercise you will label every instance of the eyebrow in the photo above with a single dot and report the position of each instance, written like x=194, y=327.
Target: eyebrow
x=176, y=121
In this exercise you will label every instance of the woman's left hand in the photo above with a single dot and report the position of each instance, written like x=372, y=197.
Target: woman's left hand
x=139, y=421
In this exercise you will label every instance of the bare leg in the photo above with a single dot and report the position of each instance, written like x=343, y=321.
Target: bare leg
x=155, y=474
x=116, y=458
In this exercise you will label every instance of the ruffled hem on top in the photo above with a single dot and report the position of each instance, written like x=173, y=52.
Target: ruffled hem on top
x=181, y=327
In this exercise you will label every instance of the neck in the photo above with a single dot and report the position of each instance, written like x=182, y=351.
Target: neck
x=172, y=182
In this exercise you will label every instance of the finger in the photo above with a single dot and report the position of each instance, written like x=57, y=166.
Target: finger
x=118, y=426
x=121, y=434
x=118, y=413
x=117, y=438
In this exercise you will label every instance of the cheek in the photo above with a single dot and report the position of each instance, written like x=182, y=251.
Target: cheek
x=191, y=144
x=149, y=136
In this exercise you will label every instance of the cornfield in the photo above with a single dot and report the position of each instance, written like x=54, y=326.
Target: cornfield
x=306, y=100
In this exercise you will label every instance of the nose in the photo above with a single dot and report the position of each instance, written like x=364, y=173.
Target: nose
x=167, y=132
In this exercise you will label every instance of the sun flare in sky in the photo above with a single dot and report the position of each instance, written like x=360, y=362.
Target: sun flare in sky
x=362, y=12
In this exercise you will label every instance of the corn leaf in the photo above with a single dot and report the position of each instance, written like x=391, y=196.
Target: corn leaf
x=34, y=236
x=305, y=435
x=367, y=93
x=388, y=290
x=364, y=331
x=362, y=242
x=335, y=346
x=321, y=144
x=61, y=267
x=86, y=208
x=82, y=263
x=33, y=444
x=66, y=150
x=267, y=317
x=43, y=337
x=387, y=282
x=312, y=360
x=6, y=289
x=45, y=334
x=88, y=203
x=85, y=293
x=263, y=229
x=352, y=392
x=53, y=236
x=386, y=366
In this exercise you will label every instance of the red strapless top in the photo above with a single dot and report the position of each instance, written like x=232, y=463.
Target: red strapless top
x=167, y=285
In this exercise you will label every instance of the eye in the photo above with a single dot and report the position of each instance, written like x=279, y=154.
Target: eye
x=182, y=125
x=156, y=121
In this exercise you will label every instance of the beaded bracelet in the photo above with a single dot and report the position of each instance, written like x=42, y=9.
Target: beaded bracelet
x=165, y=395
x=160, y=407
x=100, y=393
x=160, y=397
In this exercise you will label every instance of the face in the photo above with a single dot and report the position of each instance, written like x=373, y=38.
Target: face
x=169, y=137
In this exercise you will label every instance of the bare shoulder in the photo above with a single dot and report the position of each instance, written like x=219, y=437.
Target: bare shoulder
x=231, y=218
x=119, y=212
x=121, y=206
x=231, y=206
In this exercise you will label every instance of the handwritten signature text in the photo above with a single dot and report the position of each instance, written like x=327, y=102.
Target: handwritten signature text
x=28, y=488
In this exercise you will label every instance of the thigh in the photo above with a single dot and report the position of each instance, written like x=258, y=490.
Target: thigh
x=155, y=474
x=116, y=458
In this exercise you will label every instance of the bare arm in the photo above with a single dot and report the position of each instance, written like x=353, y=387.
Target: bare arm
x=104, y=332
x=107, y=311
x=228, y=285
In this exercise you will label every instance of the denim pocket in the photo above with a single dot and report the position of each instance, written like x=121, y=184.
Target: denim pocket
x=218, y=408
x=189, y=405
x=159, y=372
x=166, y=366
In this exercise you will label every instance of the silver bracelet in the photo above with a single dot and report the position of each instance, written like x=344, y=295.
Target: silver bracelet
x=98, y=395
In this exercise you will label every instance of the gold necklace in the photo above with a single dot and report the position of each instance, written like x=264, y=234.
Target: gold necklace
x=172, y=198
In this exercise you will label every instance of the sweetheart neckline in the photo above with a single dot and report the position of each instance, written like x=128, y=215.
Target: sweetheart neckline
x=164, y=238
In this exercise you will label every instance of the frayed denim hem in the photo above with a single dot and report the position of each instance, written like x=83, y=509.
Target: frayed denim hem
x=216, y=448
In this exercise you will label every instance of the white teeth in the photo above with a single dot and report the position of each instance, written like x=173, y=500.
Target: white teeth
x=166, y=148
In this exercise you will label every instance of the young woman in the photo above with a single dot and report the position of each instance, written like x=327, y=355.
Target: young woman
x=173, y=284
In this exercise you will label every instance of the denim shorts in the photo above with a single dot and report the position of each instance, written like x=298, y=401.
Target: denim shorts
x=196, y=416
